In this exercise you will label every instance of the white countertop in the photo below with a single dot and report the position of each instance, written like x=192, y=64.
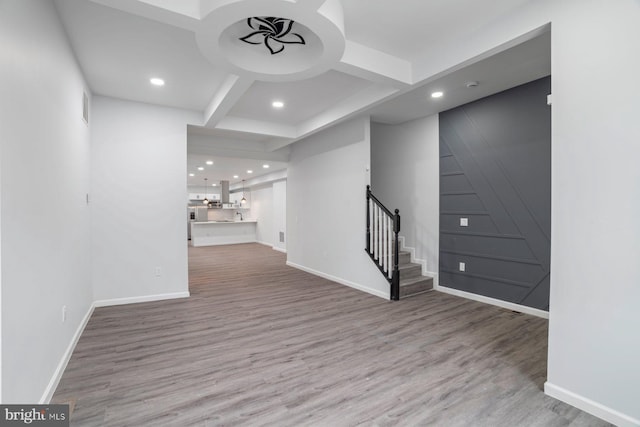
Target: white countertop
x=225, y=222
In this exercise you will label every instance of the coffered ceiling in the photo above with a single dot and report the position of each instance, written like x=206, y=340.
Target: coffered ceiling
x=359, y=57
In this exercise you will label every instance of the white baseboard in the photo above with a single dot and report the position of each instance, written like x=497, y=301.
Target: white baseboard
x=357, y=286
x=493, y=301
x=588, y=405
x=62, y=365
x=144, y=298
x=273, y=247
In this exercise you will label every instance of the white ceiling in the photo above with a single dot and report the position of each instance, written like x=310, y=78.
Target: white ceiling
x=302, y=98
x=225, y=168
x=406, y=28
x=119, y=52
x=368, y=68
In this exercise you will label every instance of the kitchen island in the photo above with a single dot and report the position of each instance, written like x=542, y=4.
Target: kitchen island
x=210, y=233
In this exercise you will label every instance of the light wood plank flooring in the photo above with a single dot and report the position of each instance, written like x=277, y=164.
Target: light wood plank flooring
x=263, y=344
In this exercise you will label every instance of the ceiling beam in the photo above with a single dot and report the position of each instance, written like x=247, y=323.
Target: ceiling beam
x=379, y=67
x=182, y=14
x=268, y=129
x=229, y=92
x=340, y=112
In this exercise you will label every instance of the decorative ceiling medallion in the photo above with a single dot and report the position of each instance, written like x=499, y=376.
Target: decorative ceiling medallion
x=294, y=39
x=273, y=32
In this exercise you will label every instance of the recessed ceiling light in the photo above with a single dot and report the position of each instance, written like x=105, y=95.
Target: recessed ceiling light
x=156, y=81
x=209, y=162
x=200, y=168
x=437, y=94
x=249, y=171
x=235, y=176
x=192, y=174
x=277, y=104
x=266, y=166
x=214, y=185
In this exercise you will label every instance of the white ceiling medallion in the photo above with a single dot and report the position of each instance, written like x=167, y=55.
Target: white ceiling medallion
x=272, y=40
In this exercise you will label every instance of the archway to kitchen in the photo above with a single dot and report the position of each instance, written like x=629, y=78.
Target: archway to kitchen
x=233, y=197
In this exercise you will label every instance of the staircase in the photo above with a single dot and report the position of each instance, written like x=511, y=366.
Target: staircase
x=382, y=245
x=412, y=282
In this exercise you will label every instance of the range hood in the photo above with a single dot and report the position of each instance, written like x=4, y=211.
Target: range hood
x=224, y=192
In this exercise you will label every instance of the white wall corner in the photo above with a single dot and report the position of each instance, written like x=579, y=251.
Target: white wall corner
x=588, y=405
x=64, y=361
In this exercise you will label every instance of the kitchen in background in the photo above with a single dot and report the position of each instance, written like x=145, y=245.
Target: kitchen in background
x=222, y=205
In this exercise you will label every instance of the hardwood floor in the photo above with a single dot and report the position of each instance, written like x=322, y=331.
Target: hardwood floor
x=262, y=344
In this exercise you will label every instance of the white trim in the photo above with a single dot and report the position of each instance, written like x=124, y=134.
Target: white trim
x=341, y=281
x=493, y=301
x=62, y=365
x=588, y=405
x=273, y=247
x=144, y=298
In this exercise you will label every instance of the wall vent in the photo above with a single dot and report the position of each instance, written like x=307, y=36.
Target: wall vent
x=282, y=237
x=85, y=107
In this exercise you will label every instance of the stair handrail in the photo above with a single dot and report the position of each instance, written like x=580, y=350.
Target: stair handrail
x=382, y=241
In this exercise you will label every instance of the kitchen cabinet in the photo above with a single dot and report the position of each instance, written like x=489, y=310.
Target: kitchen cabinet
x=200, y=196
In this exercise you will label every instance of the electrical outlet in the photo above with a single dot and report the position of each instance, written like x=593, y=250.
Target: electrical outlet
x=64, y=313
x=464, y=222
x=158, y=271
x=463, y=266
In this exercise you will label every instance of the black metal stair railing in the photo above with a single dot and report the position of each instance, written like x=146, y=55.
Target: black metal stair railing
x=383, y=227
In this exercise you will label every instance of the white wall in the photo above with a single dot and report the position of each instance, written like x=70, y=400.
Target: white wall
x=45, y=234
x=594, y=343
x=262, y=209
x=139, y=175
x=280, y=215
x=405, y=165
x=326, y=206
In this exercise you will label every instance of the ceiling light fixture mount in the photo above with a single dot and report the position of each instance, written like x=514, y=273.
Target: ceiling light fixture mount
x=273, y=32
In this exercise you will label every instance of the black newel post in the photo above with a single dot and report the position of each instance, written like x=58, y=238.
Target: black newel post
x=395, y=280
x=368, y=244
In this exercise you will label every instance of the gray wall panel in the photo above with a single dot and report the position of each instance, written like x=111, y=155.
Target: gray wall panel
x=479, y=223
x=485, y=244
x=495, y=164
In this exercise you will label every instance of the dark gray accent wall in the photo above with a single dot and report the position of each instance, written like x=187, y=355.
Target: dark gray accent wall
x=495, y=170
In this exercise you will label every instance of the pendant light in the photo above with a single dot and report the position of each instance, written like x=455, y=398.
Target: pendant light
x=243, y=200
x=205, y=201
